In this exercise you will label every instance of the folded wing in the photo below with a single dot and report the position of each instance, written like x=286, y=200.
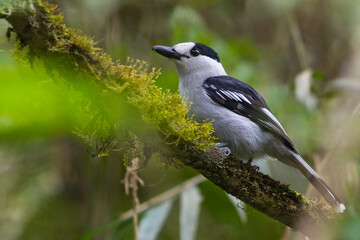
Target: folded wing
x=242, y=99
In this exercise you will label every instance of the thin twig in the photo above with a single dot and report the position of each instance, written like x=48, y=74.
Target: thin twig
x=173, y=192
x=132, y=180
x=298, y=41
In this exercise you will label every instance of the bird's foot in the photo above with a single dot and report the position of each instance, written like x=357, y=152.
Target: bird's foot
x=225, y=149
x=256, y=168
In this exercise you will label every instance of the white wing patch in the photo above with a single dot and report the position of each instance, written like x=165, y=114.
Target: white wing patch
x=226, y=93
x=233, y=95
x=243, y=98
x=213, y=87
x=220, y=95
x=269, y=114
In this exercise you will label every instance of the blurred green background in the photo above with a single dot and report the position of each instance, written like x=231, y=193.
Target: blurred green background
x=302, y=56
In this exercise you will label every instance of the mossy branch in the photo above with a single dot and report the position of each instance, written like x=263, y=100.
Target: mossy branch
x=65, y=51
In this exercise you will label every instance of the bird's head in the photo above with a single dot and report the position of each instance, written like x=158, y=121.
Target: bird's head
x=193, y=58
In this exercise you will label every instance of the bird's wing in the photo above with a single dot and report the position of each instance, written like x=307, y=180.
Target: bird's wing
x=242, y=99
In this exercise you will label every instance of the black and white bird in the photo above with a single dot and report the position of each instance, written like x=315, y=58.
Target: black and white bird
x=240, y=115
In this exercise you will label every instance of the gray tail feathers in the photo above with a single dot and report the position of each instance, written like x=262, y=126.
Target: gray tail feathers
x=319, y=184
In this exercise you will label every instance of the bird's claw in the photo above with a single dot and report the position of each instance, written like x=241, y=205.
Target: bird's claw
x=225, y=149
x=256, y=168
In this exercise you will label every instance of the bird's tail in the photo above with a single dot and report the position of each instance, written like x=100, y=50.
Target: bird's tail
x=319, y=184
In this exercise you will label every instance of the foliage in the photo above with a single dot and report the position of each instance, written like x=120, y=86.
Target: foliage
x=255, y=46
x=163, y=110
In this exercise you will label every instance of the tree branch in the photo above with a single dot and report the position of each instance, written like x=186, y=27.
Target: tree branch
x=41, y=30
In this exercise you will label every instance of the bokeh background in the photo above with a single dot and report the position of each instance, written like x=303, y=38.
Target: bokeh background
x=302, y=56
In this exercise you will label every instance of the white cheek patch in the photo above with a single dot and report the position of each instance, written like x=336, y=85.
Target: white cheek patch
x=184, y=48
x=204, y=65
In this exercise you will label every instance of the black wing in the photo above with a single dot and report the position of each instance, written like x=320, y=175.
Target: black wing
x=242, y=99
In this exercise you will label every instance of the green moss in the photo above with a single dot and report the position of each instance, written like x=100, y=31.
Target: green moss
x=64, y=51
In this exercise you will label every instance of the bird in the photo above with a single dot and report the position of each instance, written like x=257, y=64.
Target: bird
x=240, y=116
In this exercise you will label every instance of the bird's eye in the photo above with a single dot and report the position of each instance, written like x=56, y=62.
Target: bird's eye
x=194, y=52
